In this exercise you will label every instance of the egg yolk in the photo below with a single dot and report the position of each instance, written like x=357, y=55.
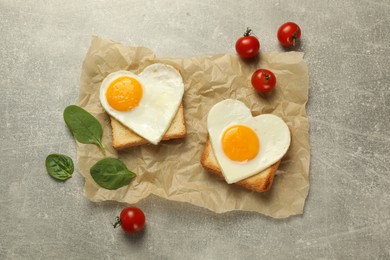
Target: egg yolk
x=124, y=93
x=240, y=143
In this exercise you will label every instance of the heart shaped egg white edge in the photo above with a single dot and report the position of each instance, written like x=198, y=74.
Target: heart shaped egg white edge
x=160, y=114
x=272, y=131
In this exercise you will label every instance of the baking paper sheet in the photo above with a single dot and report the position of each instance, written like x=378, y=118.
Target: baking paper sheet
x=172, y=169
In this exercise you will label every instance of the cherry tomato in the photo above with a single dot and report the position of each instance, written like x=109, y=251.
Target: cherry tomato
x=288, y=34
x=248, y=45
x=263, y=80
x=132, y=220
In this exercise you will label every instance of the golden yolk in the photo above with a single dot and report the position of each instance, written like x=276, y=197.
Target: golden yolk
x=124, y=93
x=240, y=143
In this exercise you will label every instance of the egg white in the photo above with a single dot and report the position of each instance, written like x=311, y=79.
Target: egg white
x=272, y=132
x=163, y=90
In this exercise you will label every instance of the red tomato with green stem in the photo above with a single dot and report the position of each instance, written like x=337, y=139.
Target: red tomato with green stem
x=131, y=219
x=248, y=45
x=263, y=80
x=288, y=34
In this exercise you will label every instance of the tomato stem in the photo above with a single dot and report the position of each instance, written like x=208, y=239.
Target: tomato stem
x=267, y=76
x=294, y=37
x=117, y=222
x=248, y=31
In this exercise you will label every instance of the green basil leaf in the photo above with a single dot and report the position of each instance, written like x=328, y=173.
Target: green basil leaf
x=111, y=173
x=84, y=127
x=59, y=166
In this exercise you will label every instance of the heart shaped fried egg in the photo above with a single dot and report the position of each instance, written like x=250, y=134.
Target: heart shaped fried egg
x=145, y=103
x=244, y=145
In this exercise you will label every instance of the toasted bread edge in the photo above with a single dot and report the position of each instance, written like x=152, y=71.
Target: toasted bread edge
x=177, y=130
x=260, y=182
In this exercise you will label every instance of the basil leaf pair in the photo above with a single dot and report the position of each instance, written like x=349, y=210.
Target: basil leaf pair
x=86, y=129
x=109, y=173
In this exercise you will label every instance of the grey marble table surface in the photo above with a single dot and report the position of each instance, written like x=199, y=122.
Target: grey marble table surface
x=346, y=46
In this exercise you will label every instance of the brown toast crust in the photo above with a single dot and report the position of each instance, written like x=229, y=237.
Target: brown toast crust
x=123, y=137
x=260, y=182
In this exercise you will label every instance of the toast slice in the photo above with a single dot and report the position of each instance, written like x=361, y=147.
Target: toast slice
x=260, y=182
x=123, y=137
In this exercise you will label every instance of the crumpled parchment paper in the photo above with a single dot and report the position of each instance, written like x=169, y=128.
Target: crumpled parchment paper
x=172, y=169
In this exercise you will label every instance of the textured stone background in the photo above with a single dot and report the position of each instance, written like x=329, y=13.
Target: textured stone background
x=347, y=214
